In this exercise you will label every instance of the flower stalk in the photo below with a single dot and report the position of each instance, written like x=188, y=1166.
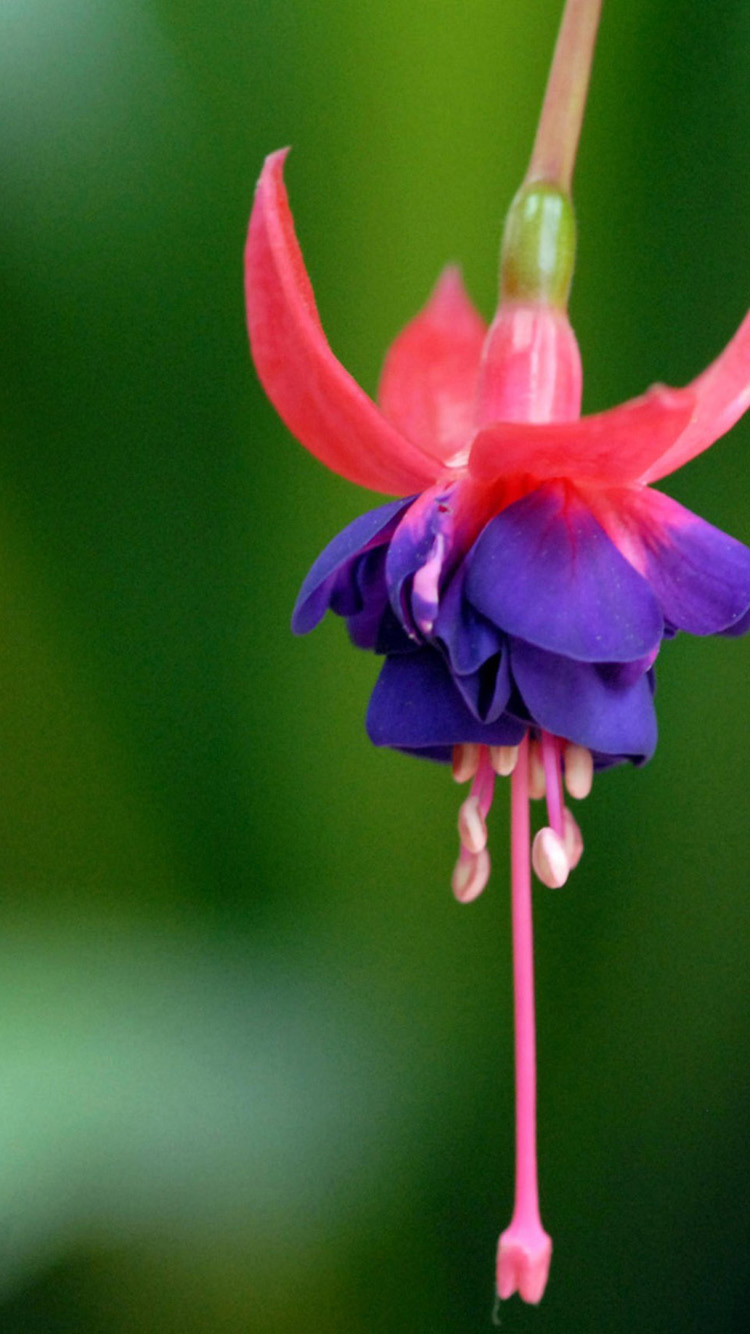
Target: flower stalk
x=556, y=143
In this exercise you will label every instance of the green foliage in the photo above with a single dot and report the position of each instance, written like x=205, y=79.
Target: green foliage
x=255, y=1065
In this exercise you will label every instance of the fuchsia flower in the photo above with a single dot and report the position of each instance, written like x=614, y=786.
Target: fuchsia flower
x=522, y=584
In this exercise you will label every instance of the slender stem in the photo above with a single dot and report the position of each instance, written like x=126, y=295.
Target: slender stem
x=559, y=129
x=527, y=1194
x=553, y=782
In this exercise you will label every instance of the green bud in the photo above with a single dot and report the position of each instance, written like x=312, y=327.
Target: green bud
x=539, y=243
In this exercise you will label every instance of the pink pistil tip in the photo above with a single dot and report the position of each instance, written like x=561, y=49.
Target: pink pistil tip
x=523, y=1259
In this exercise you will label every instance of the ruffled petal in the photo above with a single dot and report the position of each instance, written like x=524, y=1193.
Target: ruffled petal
x=544, y=570
x=312, y=392
x=488, y=690
x=417, y=553
x=371, y=623
x=333, y=578
x=699, y=575
x=469, y=639
x=722, y=395
x=612, y=447
x=415, y=706
x=586, y=703
x=430, y=375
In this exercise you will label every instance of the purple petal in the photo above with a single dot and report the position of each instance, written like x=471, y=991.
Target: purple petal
x=469, y=639
x=415, y=706
x=365, y=599
x=545, y=571
x=440, y=754
x=700, y=575
x=373, y=626
x=586, y=703
x=333, y=576
x=740, y=627
x=488, y=690
x=421, y=541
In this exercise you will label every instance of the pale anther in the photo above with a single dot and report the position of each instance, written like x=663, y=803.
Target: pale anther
x=470, y=875
x=572, y=839
x=472, y=828
x=579, y=770
x=549, y=858
x=465, y=762
x=537, y=780
x=503, y=759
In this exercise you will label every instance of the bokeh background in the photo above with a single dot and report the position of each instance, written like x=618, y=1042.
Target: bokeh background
x=255, y=1064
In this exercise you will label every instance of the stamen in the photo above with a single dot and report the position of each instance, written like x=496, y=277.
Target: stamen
x=470, y=875
x=483, y=787
x=550, y=859
x=573, y=839
x=553, y=781
x=579, y=771
x=465, y=762
x=524, y=1249
x=537, y=784
x=472, y=828
x=504, y=759
x=472, y=869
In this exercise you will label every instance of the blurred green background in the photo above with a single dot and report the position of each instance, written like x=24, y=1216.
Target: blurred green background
x=255, y=1064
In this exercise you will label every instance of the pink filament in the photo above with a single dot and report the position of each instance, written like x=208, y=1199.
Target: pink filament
x=483, y=787
x=472, y=869
x=472, y=817
x=553, y=780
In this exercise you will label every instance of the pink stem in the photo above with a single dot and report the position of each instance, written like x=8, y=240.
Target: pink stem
x=527, y=1193
x=559, y=129
x=553, y=782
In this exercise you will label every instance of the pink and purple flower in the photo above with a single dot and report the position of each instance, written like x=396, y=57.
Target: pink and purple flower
x=521, y=585
x=529, y=584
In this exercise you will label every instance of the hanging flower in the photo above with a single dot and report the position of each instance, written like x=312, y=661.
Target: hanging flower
x=521, y=586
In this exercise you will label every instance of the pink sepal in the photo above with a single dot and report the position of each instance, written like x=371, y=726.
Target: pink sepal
x=531, y=367
x=609, y=448
x=722, y=394
x=429, y=379
x=312, y=392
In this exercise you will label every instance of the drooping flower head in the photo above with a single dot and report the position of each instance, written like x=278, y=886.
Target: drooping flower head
x=521, y=586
